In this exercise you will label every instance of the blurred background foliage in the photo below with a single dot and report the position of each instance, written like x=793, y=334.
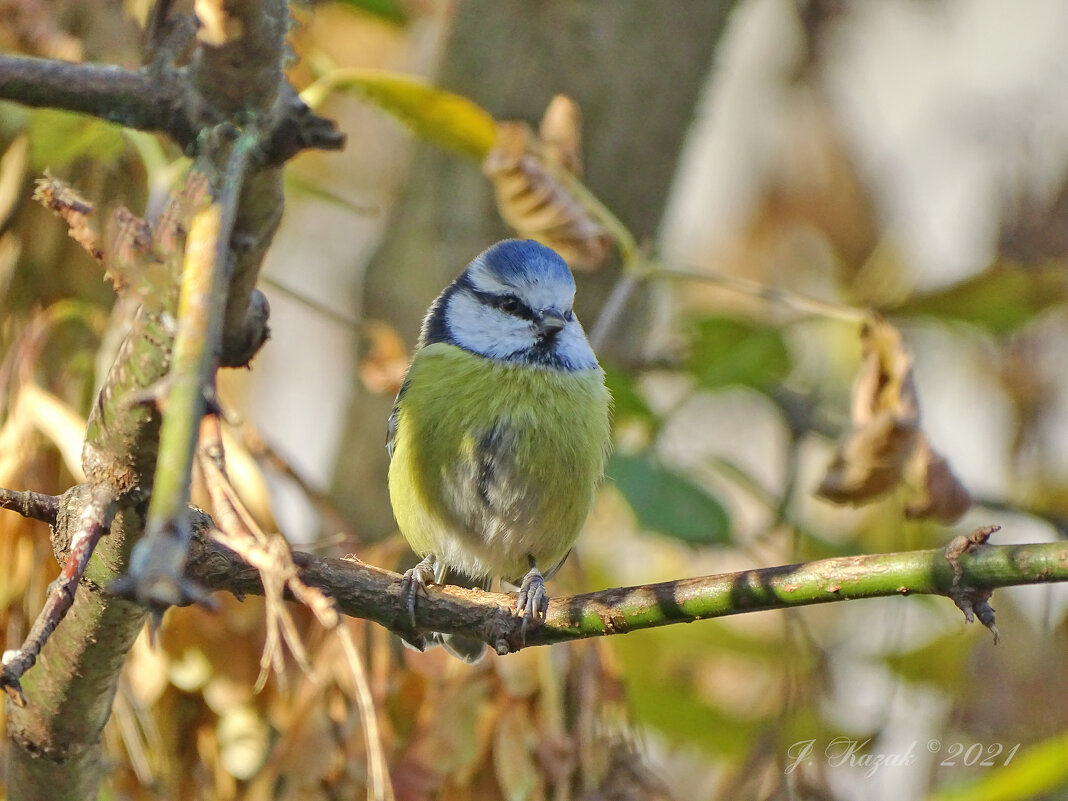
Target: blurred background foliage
x=768, y=170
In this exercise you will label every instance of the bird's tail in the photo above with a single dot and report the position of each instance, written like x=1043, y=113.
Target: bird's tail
x=467, y=649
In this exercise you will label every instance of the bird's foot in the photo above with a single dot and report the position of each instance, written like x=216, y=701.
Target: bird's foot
x=415, y=581
x=533, y=601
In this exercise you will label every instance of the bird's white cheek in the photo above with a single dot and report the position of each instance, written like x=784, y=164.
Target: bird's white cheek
x=573, y=347
x=486, y=330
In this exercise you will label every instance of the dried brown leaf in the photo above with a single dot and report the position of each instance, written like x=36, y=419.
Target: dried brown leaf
x=561, y=133
x=869, y=462
x=885, y=382
x=533, y=199
x=382, y=369
x=942, y=496
x=886, y=419
x=65, y=202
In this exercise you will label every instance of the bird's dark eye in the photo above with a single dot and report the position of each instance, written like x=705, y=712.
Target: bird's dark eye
x=509, y=304
x=569, y=315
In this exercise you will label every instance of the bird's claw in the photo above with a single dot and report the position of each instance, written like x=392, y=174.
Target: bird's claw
x=533, y=600
x=414, y=581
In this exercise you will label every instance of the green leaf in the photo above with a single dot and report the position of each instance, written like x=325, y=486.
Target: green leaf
x=59, y=137
x=940, y=662
x=737, y=352
x=627, y=401
x=388, y=10
x=447, y=119
x=1032, y=772
x=663, y=673
x=999, y=300
x=669, y=502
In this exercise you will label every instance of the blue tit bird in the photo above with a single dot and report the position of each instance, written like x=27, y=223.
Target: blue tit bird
x=499, y=433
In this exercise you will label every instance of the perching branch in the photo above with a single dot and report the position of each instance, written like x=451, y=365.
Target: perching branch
x=967, y=568
x=372, y=593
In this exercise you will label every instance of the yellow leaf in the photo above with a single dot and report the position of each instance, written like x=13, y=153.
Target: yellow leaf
x=444, y=118
x=58, y=422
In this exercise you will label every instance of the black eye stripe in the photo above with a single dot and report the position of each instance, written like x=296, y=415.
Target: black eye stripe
x=509, y=304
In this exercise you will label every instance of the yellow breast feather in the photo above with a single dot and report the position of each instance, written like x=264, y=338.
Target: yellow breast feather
x=498, y=463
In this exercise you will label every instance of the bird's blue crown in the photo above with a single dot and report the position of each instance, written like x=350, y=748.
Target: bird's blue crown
x=524, y=261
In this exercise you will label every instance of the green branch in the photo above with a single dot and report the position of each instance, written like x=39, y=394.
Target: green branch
x=155, y=577
x=372, y=593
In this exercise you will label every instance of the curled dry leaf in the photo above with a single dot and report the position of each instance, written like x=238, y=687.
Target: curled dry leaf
x=869, y=462
x=885, y=383
x=886, y=421
x=534, y=197
x=941, y=496
x=561, y=133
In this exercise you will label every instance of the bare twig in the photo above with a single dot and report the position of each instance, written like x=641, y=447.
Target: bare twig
x=34, y=505
x=155, y=100
x=93, y=524
x=133, y=99
x=770, y=294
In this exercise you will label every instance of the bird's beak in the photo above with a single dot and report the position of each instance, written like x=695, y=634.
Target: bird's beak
x=550, y=322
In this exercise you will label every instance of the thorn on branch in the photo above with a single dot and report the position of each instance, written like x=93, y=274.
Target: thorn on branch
x=298, y=128
x=972, y=601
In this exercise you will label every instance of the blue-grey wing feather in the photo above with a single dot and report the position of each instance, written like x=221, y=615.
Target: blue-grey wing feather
x=485, y=490
x=394, y=419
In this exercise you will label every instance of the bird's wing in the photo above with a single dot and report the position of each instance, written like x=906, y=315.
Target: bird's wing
x=394, y=419
x=486, y=489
